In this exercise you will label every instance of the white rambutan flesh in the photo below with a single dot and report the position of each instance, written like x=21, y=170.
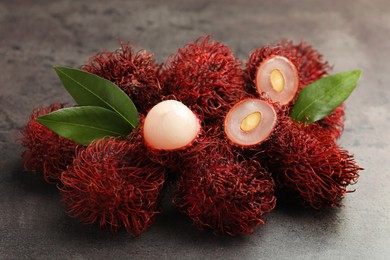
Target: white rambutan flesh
x=250, y=122
x=278, y=77
x=170, y=125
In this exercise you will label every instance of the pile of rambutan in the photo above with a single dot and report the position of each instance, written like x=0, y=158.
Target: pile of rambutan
x=219, y=131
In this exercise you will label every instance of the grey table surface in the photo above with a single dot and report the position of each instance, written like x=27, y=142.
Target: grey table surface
x=35, y=35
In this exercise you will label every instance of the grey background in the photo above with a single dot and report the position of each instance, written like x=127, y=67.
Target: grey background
x=35, y=35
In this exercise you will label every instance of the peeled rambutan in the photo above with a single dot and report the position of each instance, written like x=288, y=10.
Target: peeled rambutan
x=309, y=167
x=222, y=192
x=206, y=77
x=46, y=151
x=169, y=128
x=136, y=73
x=113, y=183
x=170, y=125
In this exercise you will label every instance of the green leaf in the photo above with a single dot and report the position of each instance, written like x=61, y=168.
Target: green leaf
x=91, y=90
x=320, y=98
x=85, y=124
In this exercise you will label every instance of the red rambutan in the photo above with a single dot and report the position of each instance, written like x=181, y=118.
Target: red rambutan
x=169, y=128
x=250, y=122
x=206, y=77
x=307, y=60
x=311, y=167
x=135, y=73
x=46, y=151
x=170, y=125
x=310, y=67
x=113, y=183
x=220, y=192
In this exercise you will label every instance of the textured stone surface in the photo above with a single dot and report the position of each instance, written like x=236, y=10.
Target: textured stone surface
x=35, y=35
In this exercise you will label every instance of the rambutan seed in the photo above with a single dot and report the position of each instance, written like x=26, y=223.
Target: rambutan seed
x=277, y=76
x=46, y=151
x=113, y=183
x=170, y=125
x=250, y=122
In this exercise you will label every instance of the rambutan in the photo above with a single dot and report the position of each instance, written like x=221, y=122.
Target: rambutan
x=206, y=77
x=277, y=76
x=170, y=125
x=331, y=125
x=113, y=183
x=307, y=60
x=46, y=151
x=310, y=66
x=169, y=128
x=310, y=167
x=250, y=122
x=136, y=73
x=222, y=192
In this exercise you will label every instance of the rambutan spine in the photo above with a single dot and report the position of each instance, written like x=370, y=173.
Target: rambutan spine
x=111, y=182
x=205, y=76
x=310, y=167
x=46, y=151
x=136, y=73
x=221, y=192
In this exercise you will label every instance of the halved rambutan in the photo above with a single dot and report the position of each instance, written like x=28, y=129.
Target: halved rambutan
x=46, y=151
x=250, y=122
x=113, y=183
x=170, y=125
x=310, y=167
x=206, y=77
x=136, y=73
x=278, y=77
x=222, y=193
x=308, y=61
x=310, y=67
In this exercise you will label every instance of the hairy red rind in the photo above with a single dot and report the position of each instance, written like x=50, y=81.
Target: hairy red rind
x=311, y=167
x=136, y=73
x=112, y=182
x=206, y=77
x=46, y=151
x=331, y=125
x=222, y=193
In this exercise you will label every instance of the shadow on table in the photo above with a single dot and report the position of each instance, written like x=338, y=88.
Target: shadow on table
x=30, y=181
x=172, y=226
